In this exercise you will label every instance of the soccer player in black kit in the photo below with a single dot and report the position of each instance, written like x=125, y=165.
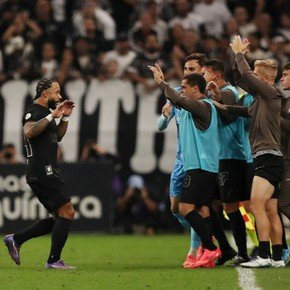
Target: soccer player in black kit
x=41, y=133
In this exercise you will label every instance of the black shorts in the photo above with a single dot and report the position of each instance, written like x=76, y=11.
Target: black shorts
x=234, y=180
x=270, y=167
x=198, y=187
x=217, y=190
x=52, y=193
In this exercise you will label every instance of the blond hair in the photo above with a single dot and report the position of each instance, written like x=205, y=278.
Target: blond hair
x=268, y=66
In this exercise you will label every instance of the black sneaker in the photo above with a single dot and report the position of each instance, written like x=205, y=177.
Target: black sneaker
x=254, y=253
x=238, y=260
x=226, y=256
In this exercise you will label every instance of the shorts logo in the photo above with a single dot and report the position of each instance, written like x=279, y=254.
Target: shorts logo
x=259, y=167
x=187, y=181
x=223, y=176
x=48, y=169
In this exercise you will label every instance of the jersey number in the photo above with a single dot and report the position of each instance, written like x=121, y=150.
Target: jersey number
x=28, y=148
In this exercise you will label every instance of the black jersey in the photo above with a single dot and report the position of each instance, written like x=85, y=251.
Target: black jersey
x=41, y=150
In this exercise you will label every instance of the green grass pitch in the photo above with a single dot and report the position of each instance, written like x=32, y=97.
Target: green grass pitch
x=123, y=262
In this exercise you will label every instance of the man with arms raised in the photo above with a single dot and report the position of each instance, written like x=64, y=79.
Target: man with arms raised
x=41, y=135
x=198, y=132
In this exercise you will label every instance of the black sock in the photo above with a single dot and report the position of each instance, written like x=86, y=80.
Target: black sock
x=200, y=226
x=208, y=222
x=39, y=228
x=58, y=238
x=218, y=232
x=239, y=232
x=277, y=252
x=284, y=241
x=264, y=250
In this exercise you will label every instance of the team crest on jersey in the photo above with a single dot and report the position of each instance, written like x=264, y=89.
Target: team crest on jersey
x=48, y=169
x=223, y=176
x=27, y=116
x=187, y=181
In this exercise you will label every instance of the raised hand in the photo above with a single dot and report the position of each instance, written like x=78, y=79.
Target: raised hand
x=59, y=110
x=213, y=88
x=68, y=108
x=157, y=73
x=239, y=45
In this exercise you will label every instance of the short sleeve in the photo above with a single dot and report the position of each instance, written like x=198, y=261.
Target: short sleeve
x=31, y=115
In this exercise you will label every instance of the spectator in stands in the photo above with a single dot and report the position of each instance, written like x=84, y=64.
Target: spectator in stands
x=154, y=9
x=110, y=69
x=264, y=24
x=67, y=70
x=185, y=17
x=242, y=19
x=85, y=63
x=141, y=29
x=139, y=206
x=276, y=51
x=8, y=154
x=95, y=37
x=122, y=13
x=17, y=43
x=231, y=29
x=138, y=71
x=188, y=46
x=92, y=152
x=284, y=30
x=215, y=15
x=175, y=37
x=256, y=52
x=49, y=27
x=47, y=66
x=9, y=10
x=122, y=54
x=106, y=23
x=210, y=45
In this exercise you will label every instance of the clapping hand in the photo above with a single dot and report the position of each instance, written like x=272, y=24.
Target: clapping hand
x=213, y=88
x=157, y=73
x=63, y=109
x=239, y=45
x=68, y=107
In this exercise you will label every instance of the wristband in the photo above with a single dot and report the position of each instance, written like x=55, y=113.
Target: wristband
x=64, y=118
x=49, y=118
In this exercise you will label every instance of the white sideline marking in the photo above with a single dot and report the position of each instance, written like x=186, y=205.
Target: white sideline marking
x=247, y=280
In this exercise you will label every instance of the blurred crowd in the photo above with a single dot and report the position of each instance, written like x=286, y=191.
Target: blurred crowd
x=117, y=38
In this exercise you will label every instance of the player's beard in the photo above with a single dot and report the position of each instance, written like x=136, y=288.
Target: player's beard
x=52, y=104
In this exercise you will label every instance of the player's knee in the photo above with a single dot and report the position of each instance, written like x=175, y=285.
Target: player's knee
x=71, y=213
x=185, y=208
x=67, y=211
x=174, y=208
x=257, y=205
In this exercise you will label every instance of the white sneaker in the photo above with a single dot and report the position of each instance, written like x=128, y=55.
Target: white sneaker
x=257, y=262
x=278, y=264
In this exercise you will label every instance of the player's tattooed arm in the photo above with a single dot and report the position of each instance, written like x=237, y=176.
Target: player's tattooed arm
x=32, y=129
x=61, y=130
